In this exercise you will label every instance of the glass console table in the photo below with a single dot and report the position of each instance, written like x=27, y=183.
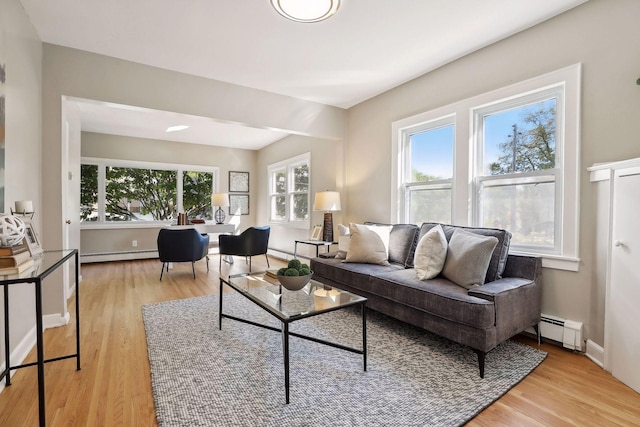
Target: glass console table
x=44, y=264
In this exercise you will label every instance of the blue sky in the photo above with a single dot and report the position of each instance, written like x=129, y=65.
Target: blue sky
x=432, y=151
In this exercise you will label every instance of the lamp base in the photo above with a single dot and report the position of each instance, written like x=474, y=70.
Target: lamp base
x=327, y=228
x=219, y=216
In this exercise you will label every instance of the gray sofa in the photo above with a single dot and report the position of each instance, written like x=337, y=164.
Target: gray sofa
x=482, y=317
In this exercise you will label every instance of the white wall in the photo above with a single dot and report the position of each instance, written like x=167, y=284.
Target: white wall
x=21, y=51
x=601, y=34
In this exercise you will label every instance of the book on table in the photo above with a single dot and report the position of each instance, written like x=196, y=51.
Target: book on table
x=15, y=249
x=14, y=260
x=21, y=268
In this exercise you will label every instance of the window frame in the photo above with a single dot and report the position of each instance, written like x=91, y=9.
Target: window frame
x=464, y=212
x=407, y=186
x=289, y=165
x=103, y=163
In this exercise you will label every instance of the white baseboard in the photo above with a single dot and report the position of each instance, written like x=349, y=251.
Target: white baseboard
x=595, y=353
x=55, y=320
x=20, y=353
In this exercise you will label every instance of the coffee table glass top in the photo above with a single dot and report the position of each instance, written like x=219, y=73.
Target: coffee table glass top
x=314, y=298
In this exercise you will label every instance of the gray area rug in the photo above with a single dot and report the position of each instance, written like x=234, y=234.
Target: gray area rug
x=235, y=377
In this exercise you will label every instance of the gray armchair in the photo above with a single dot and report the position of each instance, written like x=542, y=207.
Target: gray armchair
x=182, y=245
x=252, y=241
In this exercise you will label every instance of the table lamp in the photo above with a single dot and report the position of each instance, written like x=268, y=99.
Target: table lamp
x=327, y=201
x=220, y=200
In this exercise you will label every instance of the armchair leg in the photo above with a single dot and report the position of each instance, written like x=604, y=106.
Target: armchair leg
x=249, y=264
x=193, y=268
x=267, y=257
x=207, y=263
x=162, y=271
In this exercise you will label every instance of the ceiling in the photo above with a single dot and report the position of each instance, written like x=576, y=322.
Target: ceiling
x=368, y=47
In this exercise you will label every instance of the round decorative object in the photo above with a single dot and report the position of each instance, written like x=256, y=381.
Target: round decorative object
x=294, y=283
x=12, y=230
x=219, y=216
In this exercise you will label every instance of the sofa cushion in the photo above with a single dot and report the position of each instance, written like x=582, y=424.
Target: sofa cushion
x=439, y=297
x=431, y=253
x=468, y=258
x=500, y=253
x=402, y=243
x=354, y=275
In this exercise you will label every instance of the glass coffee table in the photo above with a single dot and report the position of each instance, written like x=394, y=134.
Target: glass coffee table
x=288, y=306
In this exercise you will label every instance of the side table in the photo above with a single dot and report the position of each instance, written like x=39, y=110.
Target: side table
x=316, y=243
x=44, y=265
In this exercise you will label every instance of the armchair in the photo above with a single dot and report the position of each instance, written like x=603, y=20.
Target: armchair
x=184, y=245
x=252, y=241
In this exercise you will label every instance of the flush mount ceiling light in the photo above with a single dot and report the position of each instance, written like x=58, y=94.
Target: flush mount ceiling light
x=306, y=10
x=177, y=128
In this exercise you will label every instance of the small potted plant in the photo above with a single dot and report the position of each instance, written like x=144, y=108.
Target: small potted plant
x=295, y=275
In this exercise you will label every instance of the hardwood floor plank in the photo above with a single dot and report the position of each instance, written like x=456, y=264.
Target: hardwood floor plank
x=114, y=386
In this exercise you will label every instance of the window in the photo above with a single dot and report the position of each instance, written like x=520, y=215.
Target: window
x=515, y=166
x=289, y=183
x=128, y=192
x=517, y=180
x=428, y=172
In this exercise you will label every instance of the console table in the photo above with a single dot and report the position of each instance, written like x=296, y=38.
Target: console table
x=45, y=264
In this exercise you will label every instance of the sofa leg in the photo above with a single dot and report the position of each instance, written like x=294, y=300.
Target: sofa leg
x=536, y=328
x=481, y=356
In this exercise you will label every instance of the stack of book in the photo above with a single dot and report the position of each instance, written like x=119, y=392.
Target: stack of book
x=15, y=259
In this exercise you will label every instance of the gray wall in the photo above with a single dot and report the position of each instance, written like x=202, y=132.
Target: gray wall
x=326, y=174
x=21, y=51
x=601, y=34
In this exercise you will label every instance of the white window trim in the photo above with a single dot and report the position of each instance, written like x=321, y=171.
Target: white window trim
x=569, y=79
x=102, y=163
x=289, y=165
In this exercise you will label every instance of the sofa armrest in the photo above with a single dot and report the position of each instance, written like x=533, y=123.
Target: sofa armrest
x=524, y=266
x=491, y=291
x=517, y=303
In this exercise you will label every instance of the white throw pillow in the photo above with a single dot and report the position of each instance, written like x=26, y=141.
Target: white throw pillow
x=468, y=258
x=431, y=253
x=366, y=246
x=384, y=231
x=344, y=240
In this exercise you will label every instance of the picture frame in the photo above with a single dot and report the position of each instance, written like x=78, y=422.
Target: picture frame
x=317, y=233
x=238, y=182
x=32, y=239
x=238, y=204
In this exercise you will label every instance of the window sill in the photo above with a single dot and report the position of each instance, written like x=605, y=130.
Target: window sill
x=122, y=225
x=555, y=262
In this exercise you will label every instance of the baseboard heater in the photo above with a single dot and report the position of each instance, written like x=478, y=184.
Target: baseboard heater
x=118, y=256
x=567, y=333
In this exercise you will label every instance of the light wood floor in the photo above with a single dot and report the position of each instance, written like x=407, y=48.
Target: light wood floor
x=114, y=387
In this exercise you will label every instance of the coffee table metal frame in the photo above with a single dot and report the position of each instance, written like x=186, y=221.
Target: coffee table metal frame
x=287, y=319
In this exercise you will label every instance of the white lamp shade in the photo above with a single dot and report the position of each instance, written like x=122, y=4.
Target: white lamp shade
x=328, y=201
x=220, y=199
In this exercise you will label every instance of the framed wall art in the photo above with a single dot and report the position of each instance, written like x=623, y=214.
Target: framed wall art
x=238, y=204
x=238, y=182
